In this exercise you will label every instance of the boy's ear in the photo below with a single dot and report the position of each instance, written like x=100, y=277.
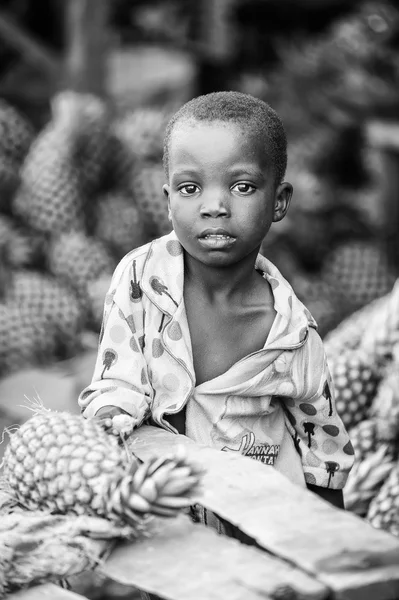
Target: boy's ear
x=165, y=189
x=282, y=201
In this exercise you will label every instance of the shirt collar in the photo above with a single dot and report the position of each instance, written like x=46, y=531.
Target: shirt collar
x=163, y=280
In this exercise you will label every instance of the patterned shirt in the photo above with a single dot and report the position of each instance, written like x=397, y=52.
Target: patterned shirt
x=145, y=367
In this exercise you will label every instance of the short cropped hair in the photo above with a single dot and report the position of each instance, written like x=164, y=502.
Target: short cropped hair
x=235, y=107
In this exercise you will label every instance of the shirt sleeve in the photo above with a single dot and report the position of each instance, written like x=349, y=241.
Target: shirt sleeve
x=120, y=376
x=319, y=434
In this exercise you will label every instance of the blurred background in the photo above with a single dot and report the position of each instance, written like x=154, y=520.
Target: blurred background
x=86, y=90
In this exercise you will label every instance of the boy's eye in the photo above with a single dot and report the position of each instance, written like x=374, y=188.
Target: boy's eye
x=189, y=189
x=244, y=188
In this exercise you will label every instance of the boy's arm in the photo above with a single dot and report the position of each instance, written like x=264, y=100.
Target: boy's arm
x=319, y=434
x=120, y=378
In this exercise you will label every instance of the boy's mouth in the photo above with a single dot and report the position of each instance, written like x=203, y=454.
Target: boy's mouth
x=216, y=239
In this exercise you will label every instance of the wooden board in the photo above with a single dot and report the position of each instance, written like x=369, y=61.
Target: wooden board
x=343, y=551
x=188, y=561
x=43, y=592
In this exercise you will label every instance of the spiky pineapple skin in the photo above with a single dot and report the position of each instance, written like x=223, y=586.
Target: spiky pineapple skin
x=364, y=438
x=50, y=196
x=26, y=339
x=16, y=136
x=51, y=302
x=62, y=463
x=80, y=262
x=356, y=381
x=360, y=269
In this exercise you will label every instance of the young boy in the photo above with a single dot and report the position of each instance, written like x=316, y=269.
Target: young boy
x=204, y=336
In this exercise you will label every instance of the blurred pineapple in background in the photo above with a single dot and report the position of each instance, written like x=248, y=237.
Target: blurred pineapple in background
x=360, y=270
x=79, y=261
x=119, y=223
x=73, y=214
x=16, y=136
x=143, y=131
x=50, y=197
x=371, y=487
x=356, y=379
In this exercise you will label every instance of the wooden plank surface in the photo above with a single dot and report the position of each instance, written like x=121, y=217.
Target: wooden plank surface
x=188, y=561
x=43, y=592
x=343, y=551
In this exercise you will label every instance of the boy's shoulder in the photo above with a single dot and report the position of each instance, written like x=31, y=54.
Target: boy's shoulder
x=159, y=250
x=286, y=300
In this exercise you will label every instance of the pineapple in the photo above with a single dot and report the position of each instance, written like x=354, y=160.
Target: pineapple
x=356, y=380
x=79, y=261
x=63, y=463
x=376, y=448
x=49, y=198
x=365, y=480
x=86, y=121
x=361, y=270
x=48, y=299
x=373, y=329
x=26, y=339
x=65, y=164
x=383, y=511
x=16, y=134
x=147, y=182
x=348, y=335
x=365, y=439
x=120, y=224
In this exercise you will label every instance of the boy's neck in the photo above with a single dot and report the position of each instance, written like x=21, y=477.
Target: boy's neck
x=223, y=282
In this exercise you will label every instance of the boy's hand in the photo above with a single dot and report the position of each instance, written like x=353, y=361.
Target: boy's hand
x=106, y=414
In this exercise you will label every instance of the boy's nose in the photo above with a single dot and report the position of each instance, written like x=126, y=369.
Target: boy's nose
x=214, y=207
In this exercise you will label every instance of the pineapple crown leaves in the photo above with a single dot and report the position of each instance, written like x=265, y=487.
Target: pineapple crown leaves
x=161, y=486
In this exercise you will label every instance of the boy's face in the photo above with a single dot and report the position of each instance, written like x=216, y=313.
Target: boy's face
x=222, y=192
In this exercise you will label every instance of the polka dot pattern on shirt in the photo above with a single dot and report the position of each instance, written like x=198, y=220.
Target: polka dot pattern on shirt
x=174, y=248
x=174, y=331
x=171, y=382
x=308, y=409
x=157, y=348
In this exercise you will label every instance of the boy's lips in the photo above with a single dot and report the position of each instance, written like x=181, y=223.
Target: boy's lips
x=216, y=238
